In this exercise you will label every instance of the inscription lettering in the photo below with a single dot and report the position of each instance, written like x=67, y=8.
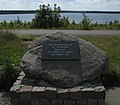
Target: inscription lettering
x=60, y=50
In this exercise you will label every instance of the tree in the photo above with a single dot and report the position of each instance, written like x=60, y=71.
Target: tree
x=73, y=24
x=5, y=25
x=46, y=17
x=11, y=24
x=65, y=22
x=86, y=22
x=56, y=16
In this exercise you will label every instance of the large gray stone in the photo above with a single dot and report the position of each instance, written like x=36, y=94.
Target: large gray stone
x=70, y=73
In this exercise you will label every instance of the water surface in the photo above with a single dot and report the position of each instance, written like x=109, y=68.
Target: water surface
x=94, y=17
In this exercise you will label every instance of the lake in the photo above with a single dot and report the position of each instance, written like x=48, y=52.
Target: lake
x=94, y=17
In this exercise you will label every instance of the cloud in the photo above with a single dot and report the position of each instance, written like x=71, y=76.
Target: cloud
x=110, y=4
x=19, y=4
x=64, y=4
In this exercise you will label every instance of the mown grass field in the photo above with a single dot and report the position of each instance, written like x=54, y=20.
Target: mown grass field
x=12, y=48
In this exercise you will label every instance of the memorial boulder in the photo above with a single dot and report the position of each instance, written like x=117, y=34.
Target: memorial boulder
x=63, y=60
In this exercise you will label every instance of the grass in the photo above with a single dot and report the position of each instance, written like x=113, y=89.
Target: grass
x=12, y=48
x=11, y=51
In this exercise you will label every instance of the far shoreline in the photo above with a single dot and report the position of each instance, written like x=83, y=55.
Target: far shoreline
x=62, y=11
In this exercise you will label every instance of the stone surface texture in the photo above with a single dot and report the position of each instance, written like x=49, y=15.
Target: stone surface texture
x=93, y=62
x=26, y=94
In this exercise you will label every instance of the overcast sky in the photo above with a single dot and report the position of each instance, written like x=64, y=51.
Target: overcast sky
x=64, y=4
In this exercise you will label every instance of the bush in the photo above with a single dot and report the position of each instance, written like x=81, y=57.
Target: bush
x=86, y=22
x=8, y=75
x=46, y=17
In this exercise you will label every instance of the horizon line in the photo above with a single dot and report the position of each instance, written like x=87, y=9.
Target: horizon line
x=62, y=11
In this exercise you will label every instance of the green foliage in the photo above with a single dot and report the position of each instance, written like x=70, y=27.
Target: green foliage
x=11, y=51
x=46, y=17
x=8, y=75
x=65, y=22
x=17, y=24
x=86, y=22
x=113, y=25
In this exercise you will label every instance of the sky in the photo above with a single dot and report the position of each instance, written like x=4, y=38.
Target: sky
x=88, y=5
